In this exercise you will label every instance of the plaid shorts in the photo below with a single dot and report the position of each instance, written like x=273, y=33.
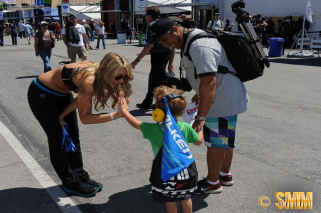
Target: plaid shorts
x=220, y=132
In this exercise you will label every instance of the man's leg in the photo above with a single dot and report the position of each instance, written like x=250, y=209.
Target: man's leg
x=215, y=158
x=227, y=160
x=82, y=53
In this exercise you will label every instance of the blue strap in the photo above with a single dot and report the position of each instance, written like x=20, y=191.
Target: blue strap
x=45, y=89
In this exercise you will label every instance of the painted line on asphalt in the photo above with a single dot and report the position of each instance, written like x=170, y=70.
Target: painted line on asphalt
x=65, y=204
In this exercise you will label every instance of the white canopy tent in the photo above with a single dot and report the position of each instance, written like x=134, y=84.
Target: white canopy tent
x=80, y=12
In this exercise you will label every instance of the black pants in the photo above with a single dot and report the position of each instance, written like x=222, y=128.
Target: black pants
x=14, y=38
x=46, y=107
x=157, y=75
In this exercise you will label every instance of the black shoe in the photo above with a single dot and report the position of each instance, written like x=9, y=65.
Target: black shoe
x=84, y=190
x=94, y=183
x=145, y=106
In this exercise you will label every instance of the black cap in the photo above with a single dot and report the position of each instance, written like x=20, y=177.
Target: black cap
x=159, y=28
x=72, y=16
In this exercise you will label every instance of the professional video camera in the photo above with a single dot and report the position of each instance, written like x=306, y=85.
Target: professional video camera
x=242, y=18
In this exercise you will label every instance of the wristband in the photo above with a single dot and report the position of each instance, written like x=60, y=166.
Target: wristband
x=112, y=117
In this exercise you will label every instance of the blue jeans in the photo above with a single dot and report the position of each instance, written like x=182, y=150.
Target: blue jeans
x=102, y=37
x=45, y=56
x=92, y=35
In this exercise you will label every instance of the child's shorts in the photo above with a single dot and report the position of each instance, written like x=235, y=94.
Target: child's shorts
x=159, y=198
x=220, y=132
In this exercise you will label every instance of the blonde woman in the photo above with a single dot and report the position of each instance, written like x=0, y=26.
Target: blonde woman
x=101, y=33
x=50, y=93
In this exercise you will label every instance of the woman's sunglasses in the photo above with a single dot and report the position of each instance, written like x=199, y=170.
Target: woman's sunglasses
x=120, y=76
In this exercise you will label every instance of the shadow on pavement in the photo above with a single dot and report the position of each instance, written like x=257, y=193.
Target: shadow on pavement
x=141, y=112
x=30, y=76
x=140, y=200
x=298, y=61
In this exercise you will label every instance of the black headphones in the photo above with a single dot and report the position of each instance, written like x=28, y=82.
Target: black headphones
x=159, y=114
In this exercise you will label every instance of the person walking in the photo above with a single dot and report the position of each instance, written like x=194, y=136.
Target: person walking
x=13, y=32
x=21, y=28
x=101, y=34
x=92, y=26
x=43, y=41
x=74, y=37
x=58, y=31
x=87, y=29
x=52, y=103
x=2, y=28
x=217, y=115
x=160, y=56
x=28, y=31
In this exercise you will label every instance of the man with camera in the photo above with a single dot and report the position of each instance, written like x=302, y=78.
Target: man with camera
x=221, y=97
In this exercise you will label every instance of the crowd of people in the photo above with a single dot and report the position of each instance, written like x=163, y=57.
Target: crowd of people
x=287, y=28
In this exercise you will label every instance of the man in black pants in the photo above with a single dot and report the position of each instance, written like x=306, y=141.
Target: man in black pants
x=159, y=55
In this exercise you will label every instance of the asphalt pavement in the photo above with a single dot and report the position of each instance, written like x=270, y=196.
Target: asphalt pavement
x=278, y=143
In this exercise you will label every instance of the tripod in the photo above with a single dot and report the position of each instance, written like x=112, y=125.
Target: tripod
x=242, y=18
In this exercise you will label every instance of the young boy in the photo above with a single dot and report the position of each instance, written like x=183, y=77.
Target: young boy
x=154, y=132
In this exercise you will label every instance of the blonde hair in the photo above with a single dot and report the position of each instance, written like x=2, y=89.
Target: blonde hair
x=176, y=105
x=100, y=23
x=109, y=67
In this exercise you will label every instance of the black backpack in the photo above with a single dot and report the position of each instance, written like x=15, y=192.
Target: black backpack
x=238, y=51
x=182, y=184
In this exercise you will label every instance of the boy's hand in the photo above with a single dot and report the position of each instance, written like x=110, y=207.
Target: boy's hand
x=122, y=102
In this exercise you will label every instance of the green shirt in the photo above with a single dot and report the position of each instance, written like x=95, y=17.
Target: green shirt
x=154, y=132
x=87, y=29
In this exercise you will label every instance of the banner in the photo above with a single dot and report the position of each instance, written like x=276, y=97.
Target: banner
x=39, y=2
x=309, y=11
x=176, y=155
x=141, y=5
x=65, y=9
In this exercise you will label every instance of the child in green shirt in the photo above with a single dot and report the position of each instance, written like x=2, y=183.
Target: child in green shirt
x=154, y=132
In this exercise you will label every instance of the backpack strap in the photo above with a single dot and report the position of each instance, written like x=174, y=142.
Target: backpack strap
x=220, y=69
x=212, y=24
x=201, y=35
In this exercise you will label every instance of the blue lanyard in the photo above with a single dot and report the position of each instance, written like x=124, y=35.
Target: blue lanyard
x=67, y=142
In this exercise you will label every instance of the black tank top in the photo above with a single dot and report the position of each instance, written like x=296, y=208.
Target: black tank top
x=66, y=75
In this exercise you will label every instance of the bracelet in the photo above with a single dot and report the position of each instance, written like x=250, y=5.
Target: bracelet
x=112, y=117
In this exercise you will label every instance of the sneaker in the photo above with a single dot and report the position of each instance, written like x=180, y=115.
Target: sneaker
x=145, y=106
x=204, y=187
x=226, y=180
x=84, y=190
x=94, y=183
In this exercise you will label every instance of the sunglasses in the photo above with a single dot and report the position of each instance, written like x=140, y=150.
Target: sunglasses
x=120, y=76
